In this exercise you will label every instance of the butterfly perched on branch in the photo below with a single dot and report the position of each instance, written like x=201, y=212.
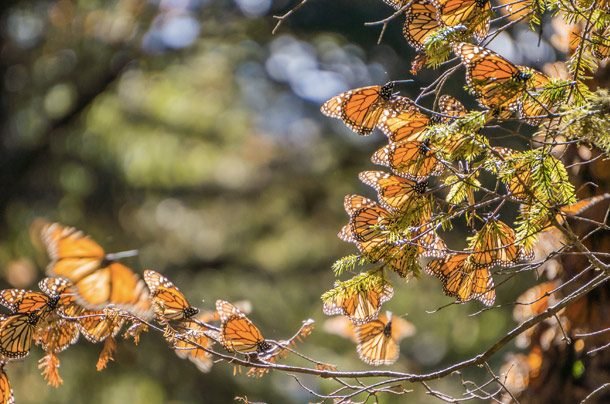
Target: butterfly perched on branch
x=362, y=108
x=359, y=298
x=32, y=313
x=462, y=280
x=412, y=159
x=494, y=244
x=497, y=83
x=237, y=332
x=169, y=303
x=395, y=193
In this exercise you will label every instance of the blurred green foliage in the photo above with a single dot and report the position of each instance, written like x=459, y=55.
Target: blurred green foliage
x=184, y=129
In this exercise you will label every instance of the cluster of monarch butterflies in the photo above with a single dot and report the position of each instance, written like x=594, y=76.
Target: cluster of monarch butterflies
x=399, y=229
x=89, y=293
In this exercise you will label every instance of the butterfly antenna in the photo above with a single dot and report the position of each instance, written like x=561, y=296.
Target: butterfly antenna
x=121, y=254
x=403, y=81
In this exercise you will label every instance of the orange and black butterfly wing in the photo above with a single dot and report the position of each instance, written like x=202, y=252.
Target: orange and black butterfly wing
x=190, y=346
x=414, y=160
x=73, y=254
x=461, y=280
x=496, y=82
x=494, y=244
x=359, y=109
x=394, y=192
x=96, y=326
x=405, y=124
x=57, y=336
x=76, y=257
x=16, y=332
x=170, y=303
x=23, y=301
x=474, y=14
x=375, y=344
x=362, y=306
x=450, y=108
x=6, y=391
x=238, y=333
x=421, y=22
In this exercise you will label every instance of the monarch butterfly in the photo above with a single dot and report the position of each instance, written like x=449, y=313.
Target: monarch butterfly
x=461, y=280
x=98, y=280
x=497, y=83
x=414, y=160
x=450, y=108
x=367, y=227
x=359, y=306
x=378, y=340
x=16, y=333
x=494, y=244
x=6, y=391
x=428, y=243
x=98, y=325
x=20, y=301
x=421, y=22
x=57, y=335
x=406, y=124
x=168, y=302
x=360, y=109
x=395, y=193
x=533, y=106
x=474, y=14
x=190, y=346
x=238, y=333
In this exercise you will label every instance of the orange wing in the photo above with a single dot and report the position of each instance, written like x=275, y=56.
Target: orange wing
x=497, y=83
x=238, y=333
x=169, y=303
x=450, y=107
x=98, y=282
x=360, y=307
x=461, y=280
x=16, y=333
x=6, y=391
x=23, y=301
x=414, y=160
x=474, y=14
x=378, y=340
x=494, y=244
x=190, y=346
x=360, y=109
x=420, y=23
x=394, y=192
x=56, y=336
x=406, y=124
